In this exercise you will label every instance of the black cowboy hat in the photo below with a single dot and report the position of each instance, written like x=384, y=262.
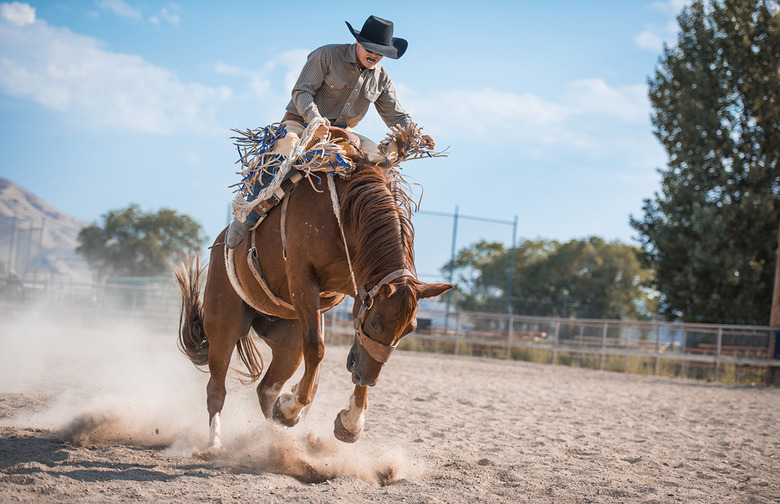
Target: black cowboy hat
x=377, y=37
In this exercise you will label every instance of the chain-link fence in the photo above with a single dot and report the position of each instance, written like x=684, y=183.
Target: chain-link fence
x=21, y=247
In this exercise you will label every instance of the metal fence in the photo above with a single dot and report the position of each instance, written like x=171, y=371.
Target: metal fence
x=21, y=244
x=719, y=353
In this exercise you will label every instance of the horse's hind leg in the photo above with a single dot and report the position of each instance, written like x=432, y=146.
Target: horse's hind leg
x=223, y=337
x=287, y=352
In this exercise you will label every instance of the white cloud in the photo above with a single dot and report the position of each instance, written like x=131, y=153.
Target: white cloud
x=583, y=98
x=231, y=70
x=168, y=14
x=654, y=36
x=288, y=63
x=671, y=7
x=73, y=74
x=524, y=123
x=593, y=97
x=119, y=8
x=650, y=40
x=76, y=75
x=590, y=116
x=17, y=13
x=291, y=63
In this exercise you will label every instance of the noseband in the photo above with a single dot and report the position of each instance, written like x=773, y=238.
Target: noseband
x=378, y=351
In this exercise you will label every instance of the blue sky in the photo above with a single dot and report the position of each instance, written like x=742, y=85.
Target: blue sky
x=543, y=105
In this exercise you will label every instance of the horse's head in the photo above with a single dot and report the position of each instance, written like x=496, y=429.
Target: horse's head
x=383, y=316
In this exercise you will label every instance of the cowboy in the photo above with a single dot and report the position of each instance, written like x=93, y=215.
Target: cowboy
x=337, y=84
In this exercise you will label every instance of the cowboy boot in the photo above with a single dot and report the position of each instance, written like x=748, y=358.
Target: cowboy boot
x=238, y=230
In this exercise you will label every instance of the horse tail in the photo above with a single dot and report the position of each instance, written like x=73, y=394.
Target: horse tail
x=192, y=337
x=250, y=356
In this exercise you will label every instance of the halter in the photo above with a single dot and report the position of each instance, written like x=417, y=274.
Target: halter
x=378, y=351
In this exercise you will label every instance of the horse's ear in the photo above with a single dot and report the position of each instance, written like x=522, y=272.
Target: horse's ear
x=433, y=290
x=387, y=290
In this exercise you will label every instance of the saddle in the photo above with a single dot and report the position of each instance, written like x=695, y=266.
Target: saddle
x=350, y=144
x=347, y=140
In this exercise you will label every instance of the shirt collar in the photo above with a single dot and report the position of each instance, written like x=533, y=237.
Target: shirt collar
x=352, y=54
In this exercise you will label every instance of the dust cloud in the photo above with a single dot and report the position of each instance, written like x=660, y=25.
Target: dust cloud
x=117, y=382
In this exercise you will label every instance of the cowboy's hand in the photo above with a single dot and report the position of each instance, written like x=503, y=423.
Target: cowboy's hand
x=428, y=141
x=322, y=130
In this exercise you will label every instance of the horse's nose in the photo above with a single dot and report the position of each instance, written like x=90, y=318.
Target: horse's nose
x=351, y=358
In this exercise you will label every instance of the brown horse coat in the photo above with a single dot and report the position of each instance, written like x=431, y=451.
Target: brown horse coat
x=375, y=213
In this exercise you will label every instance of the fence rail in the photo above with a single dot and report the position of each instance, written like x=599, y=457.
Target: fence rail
x=730, y=353
x=727, y=353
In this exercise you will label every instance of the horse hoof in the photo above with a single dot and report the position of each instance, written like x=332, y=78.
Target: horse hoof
x=341, y=433
x=210, y=453
x=279, y=416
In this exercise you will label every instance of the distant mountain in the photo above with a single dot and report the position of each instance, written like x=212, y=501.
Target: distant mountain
x=36, y=239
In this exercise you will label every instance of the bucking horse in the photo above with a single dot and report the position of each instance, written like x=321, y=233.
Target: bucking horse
x=354, y=238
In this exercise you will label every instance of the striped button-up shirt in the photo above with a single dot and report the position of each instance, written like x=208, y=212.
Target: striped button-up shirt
x=333, y=85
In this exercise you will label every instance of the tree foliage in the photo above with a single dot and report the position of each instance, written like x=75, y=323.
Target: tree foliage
x=711, y=232
x=131, y=242
x=581, y=278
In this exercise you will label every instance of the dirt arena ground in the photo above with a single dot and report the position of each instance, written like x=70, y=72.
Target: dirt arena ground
x=113, y=414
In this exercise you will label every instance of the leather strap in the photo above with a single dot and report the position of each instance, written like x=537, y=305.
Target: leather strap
x=378, y=351
x=254, y=266
x=366, y=297
x=278, y=195
x=283, y=226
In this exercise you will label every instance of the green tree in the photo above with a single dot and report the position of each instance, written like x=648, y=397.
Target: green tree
x=480, y=274
x=134, y=243
x=581, y=278
x=711, y=232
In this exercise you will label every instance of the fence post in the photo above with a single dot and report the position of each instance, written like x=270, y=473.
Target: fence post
x=510, y=319
x=603, y=346
x=657, y=349
x=684, y=351
x=457, y=332
x=555, y=341
x=627, y=334
x=717, y=353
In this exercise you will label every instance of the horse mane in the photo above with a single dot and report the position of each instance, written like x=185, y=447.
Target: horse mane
x=378, y=207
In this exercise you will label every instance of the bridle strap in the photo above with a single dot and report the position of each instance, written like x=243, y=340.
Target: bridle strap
x=377, y=350
x=367, y=298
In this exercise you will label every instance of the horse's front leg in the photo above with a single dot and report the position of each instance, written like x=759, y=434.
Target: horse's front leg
x=349, y=422
x=289, y=408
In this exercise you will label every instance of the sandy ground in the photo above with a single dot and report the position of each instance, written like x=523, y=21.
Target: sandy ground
x=109, y=415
